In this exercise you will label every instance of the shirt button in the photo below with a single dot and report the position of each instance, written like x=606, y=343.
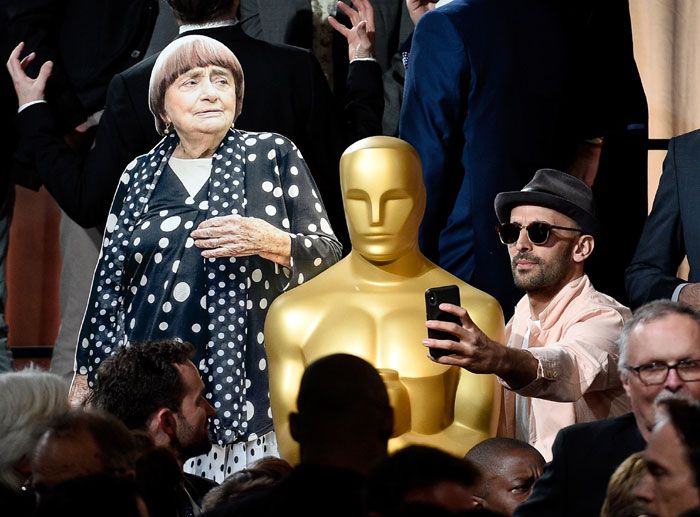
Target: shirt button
x=135, y=53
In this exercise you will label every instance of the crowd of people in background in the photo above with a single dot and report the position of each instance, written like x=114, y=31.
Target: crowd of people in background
x=198, y=143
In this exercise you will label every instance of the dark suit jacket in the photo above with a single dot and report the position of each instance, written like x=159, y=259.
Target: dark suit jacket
x=197, y=487
x=484, y=107
x=285, y=92
x=496, y=89
x=575, y=482
x=672, y=230
x=290, y=22
x=88, y=42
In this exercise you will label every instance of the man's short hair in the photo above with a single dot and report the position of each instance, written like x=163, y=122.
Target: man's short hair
x=182, y=55
x=199, y=11
x=141, y=378
x=488, y=453
x=651, y=311
x=29, y=400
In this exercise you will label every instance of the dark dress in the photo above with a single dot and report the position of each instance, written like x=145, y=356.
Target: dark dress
x=152, y=283
x=168, y=268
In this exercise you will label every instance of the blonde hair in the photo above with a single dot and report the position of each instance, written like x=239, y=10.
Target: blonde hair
x=182, y=55
x=620, y=500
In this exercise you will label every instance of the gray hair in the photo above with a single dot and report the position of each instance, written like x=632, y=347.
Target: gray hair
x=651, y=311
x=182, y=55
x=30, y=399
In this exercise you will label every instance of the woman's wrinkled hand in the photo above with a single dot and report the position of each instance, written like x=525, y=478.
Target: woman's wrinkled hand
x=79, y=391
x=236, y=236
x=28, y=89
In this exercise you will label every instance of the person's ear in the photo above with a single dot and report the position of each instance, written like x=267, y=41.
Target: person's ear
x=162, y=426
x=583, y=248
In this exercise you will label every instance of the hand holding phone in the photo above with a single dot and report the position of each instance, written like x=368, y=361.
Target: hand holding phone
x=434, y=296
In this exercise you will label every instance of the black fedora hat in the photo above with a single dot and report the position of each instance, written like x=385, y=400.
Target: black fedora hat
x=556, y=190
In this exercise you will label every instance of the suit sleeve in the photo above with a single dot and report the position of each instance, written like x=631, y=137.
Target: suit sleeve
x=549, y=493
x=661, y=248
x=437, y=80
x=364, y=101
x=84, y=186
x=36, y=22
x=325, y=129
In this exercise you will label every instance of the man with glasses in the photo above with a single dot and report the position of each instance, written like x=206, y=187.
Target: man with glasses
x=659, y=360
x=559, y=365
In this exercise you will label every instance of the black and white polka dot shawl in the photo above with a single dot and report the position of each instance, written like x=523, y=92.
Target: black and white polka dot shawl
x=253, y=174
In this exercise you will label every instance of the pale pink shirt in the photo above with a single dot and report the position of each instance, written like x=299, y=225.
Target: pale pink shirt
x=576, y=346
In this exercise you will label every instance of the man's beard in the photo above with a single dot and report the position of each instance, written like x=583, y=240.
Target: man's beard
x=544, y=277
x=188, y=441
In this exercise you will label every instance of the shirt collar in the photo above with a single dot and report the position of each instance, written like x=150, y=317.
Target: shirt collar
x=188, y=27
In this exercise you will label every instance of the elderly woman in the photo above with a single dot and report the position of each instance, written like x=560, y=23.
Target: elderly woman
x=204, y=232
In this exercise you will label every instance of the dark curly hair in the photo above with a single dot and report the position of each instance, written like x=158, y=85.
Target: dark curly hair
x=141, y=378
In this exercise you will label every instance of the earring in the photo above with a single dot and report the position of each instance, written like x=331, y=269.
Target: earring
x=168, y=129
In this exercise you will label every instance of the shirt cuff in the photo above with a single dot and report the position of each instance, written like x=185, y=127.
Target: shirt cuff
x=547, y=370
x=677, y=291
x=363, y=59
x=27, y=104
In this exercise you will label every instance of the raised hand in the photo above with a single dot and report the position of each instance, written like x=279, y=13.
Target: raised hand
x=27, y=89
x=360, y=36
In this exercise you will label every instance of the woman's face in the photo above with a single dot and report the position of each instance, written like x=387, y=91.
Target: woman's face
x=202, y=101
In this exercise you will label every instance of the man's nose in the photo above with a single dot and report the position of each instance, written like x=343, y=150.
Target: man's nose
x=673, y=381
x=523, y=242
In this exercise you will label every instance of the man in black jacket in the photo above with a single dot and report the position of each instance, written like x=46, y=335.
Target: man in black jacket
x=659, y=359
x=155, y=387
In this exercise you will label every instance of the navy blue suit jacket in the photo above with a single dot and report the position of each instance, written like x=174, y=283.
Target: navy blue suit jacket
x=672, y=229
x=585, y=455
x=496, y=89
x=485, y=107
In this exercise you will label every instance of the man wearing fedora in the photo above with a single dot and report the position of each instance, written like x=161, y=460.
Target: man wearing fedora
x=559, y=365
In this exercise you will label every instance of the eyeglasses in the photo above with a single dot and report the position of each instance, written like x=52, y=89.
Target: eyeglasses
x=538, y=232
x=656, y=373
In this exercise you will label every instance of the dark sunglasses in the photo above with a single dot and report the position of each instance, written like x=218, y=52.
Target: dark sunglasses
x=538, y=232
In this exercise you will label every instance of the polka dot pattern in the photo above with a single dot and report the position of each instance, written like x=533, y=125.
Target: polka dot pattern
x=152, y=283
x=221, y=462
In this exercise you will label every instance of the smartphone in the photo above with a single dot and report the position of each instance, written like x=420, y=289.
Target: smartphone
x=434, y=296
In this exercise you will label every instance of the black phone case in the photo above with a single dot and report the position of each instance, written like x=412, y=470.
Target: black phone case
x=434, y=296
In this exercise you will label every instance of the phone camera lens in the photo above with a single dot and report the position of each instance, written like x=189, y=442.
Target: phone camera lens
x=432, y=299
